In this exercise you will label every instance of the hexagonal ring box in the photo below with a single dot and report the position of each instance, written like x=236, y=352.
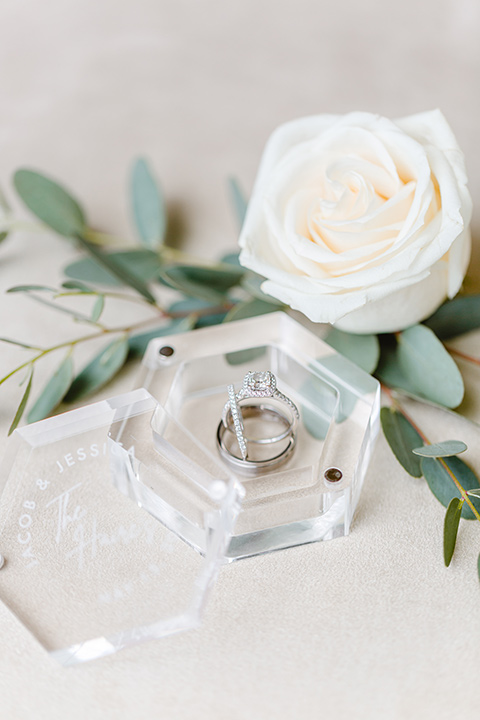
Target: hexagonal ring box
x=115, y=518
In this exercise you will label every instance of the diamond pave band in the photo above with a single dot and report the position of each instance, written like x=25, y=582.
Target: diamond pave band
x=237, y=420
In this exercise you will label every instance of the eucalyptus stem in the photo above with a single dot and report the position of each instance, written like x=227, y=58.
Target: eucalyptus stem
x=118, y=296
x=166, y=252
x=461, y=490
x=398, y=406
x=464, y=356
x=72, y=343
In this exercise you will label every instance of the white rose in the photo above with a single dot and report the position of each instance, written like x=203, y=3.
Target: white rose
x=360, y=221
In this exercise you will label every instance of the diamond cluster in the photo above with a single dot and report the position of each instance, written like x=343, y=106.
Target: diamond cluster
x=260, y=384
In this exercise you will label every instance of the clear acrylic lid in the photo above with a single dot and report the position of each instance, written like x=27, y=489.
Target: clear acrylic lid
x=87, y=569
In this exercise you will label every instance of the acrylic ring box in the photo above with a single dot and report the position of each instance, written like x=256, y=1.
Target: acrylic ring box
x=115, y=518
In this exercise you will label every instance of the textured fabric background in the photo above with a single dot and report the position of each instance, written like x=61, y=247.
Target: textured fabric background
x=370, y=626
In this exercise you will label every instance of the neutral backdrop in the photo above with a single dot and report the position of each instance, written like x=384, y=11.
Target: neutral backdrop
x=370, y=626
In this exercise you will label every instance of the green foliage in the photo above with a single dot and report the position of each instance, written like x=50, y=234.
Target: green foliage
x=206, y=283
x=30, y=288
x=231, y=259
x=450, y=528
x=79, y=317
x=250, y=308
x=144, y=264
x=50, y=202
x=78, y=286
x=122, y=273
x=402, y=438
x=251, y=283
x=148, y=205
x=97, y=308
x=203, y=312
x=203, y=321
x=352, y=375
x=363, y=350
x=439, y=474
x=99, y=370
x=447, y=448
x=17, y=342
x=137, y=344
x=54, y=391
x=456, y=317
x=23, y=403
x=420, y=365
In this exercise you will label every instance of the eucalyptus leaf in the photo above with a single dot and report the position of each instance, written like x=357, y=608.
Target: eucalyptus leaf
x=76, y=285
x=137, y=344
x=456, y=317
x=450, y=528
x=31, y=288
x=206, y=283
x=122, y=273
x=97, y=309
x=17, y=342
x=344, y=375
x=50, y=202
x=239, y=201
x=447, y=448
x=251, y=283
x=200, y=308
x=250, y=308
x=402, y=438
x=23, y=403
x=203, y=321
x=363, y=350
x=143, y=263
x=430, y=369
x=231, y=259
x=318, y=408
x=474, y=493
x=79, y=317
x=389, y=373
x=100, y=370
x=440, y=482
x=53, y=392
x=190, y=305
x=148, y=205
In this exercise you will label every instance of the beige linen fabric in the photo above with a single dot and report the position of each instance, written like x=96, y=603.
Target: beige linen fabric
x=369, y=626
